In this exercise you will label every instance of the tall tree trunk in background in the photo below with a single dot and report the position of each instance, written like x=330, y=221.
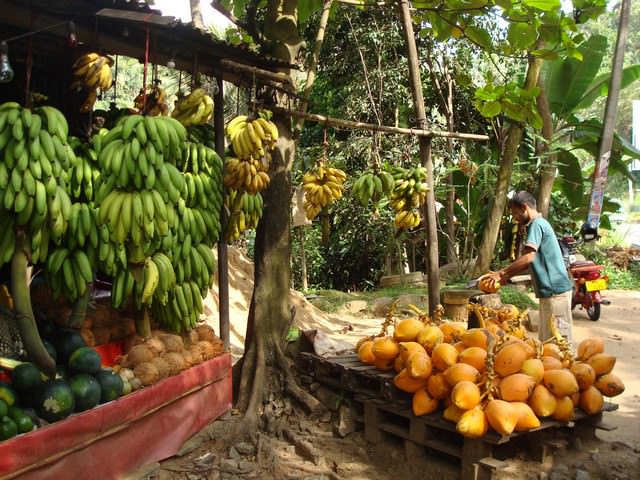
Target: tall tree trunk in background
x=264, y=366
x=196, y=13
x=509, y=154
x=548, y=161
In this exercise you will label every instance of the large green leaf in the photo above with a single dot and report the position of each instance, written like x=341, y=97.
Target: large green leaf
x=600, y=86
x=570, y=179
x=565, y=81
x=544, y=5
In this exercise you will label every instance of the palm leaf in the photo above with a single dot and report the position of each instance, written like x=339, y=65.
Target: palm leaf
x=570, y=179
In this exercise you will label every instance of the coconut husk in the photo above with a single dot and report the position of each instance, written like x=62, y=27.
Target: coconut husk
x=162, y=366
x=137, y=355
x=205, y=332
x=156, y=346
x=132, y=340
x=147, y=373
x=208, y=349
x=175, y=361
x=197, y=354
x=173, y=343
x=188, y=358
x=190, y=337
x=135, y=383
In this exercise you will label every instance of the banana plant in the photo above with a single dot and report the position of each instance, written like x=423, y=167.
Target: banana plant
x=572, y=85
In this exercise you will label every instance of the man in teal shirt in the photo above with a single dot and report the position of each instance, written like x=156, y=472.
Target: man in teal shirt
x=543, y=257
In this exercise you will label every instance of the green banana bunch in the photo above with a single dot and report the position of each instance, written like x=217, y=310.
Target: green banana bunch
x=371, y=186
x=69, y=272
x=245, y=211
x=193, y=109
x=204, y=134
x=409, y=193
x=183, y=308
x=83, y=173
x=35, y=154
x=253, y=138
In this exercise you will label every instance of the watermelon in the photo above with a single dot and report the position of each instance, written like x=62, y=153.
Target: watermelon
x=26, y=377
x=21, y=419
x=66, y=341
x=111, y=385
x=85, y=360
x=8, y=428
x=86, y=391
x=55, y=400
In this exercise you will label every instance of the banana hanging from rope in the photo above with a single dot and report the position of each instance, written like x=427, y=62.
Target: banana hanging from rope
x=408, y=195
x=253, y=138
x=193, y=109
x=91, y=72
x=322, y=187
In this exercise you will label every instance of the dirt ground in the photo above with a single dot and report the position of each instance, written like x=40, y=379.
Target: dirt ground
x=297, y=447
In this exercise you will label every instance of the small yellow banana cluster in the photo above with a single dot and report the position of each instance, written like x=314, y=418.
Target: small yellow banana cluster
x=409, y=193
x=155, y=102
x=193, y=109
x=92, y=71
x=246, y=175
x=322, y=186
x=245, y=211
x=252, y=138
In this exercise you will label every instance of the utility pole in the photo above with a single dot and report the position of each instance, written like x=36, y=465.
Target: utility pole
x=606, y=141
x=431, y=242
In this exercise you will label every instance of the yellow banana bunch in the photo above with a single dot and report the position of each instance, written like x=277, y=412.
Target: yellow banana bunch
x=322, y=187
x=253, y=138
x=155, y=102
x=408, y=194
x=249, y=175
x=193, y=109
x=91, y=72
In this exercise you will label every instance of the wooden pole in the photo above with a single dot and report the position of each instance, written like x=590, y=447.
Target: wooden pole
x=340, y=123
x=223, y=257
x=433, y=272
x=303, y=260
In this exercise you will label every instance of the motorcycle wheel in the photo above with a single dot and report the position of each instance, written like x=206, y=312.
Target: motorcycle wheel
x=593, y=309
x=574, y=302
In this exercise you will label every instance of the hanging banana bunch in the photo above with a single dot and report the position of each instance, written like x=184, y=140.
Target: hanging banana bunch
x=245, y=211
x=155, y=102
x=252, y=141
x=408, y=195
x=322, y=187
x=371, y=186
x=193, y=109
x=92, y=71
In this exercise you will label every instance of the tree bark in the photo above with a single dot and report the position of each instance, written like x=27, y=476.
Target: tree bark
x=196, y=14
x=509, y=154
x=433, y=273
x=548, y=161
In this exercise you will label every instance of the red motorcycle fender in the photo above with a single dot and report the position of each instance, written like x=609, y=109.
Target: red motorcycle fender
x=597, y=298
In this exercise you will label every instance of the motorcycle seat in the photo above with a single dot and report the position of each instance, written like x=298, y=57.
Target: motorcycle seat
x=582, y=263
x=590, y=267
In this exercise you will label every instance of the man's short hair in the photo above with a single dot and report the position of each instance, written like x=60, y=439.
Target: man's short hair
x=523, y=198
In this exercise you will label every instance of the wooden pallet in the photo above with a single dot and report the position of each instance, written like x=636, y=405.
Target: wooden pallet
x=385, y=411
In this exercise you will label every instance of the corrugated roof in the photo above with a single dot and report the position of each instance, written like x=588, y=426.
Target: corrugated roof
x=120, y=27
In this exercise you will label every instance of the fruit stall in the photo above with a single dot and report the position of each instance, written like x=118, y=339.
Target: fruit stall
x=109, y=218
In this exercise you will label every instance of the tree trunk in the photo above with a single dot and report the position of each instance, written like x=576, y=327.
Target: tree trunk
x=264, y=366
x=548, y=162
x=509, y=154
x=196, y=14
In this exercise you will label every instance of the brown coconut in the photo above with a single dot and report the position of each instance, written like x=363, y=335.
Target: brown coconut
x=197, y=355
x=188, y=358
x=175, y=361
x=147, y=373
x=207, y=348
x=155, y=345
x=137, y=355
x=162, y=366
x=172, y=343
x=205, y=332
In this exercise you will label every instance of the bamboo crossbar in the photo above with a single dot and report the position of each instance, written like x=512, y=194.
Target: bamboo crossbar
x=337, y=122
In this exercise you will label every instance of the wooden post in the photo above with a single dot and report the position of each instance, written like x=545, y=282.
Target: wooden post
x=303, y=260
x=433, y=273
x=223, y=258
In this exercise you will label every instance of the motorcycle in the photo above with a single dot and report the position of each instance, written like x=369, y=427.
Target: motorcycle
x=589, y=279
